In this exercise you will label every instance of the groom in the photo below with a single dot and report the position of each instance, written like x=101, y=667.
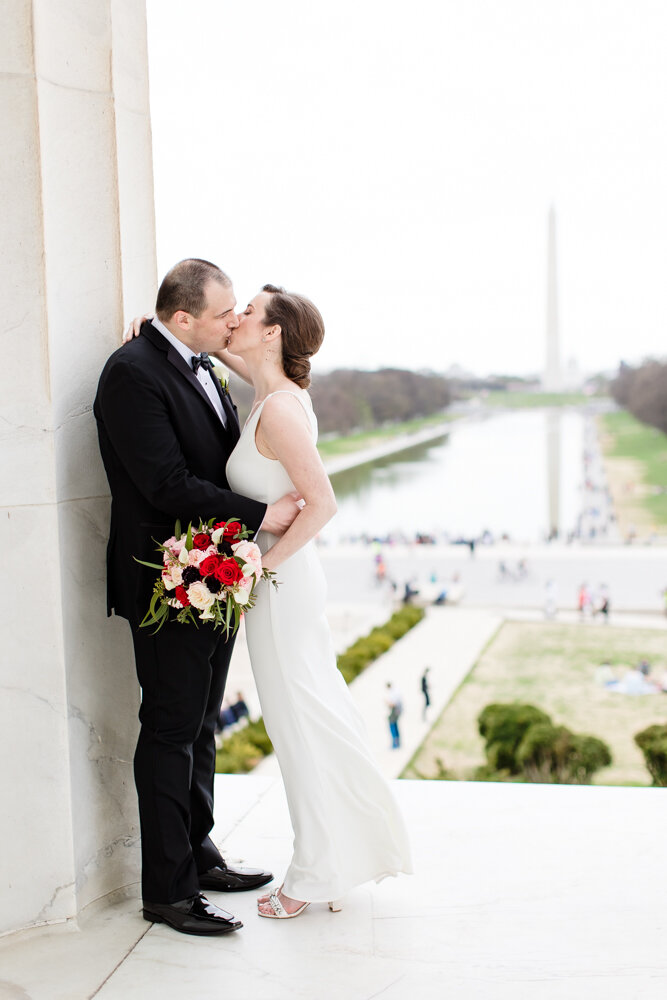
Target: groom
x=166, y=429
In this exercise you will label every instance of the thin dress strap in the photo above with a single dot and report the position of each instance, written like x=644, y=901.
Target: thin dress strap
x=258, y=409
x=289, y=392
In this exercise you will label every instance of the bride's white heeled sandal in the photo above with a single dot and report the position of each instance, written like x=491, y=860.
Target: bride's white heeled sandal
x=280, y=913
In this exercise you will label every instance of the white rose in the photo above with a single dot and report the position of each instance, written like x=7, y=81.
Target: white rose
x=200, y=596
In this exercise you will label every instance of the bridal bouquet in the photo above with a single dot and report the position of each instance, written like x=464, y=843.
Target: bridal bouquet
x=209, y=573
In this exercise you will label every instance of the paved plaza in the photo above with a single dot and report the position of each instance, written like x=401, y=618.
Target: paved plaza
x=520, y=892
x=635, y=575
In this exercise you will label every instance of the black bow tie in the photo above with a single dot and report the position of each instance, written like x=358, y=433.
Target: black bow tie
x=201, y=361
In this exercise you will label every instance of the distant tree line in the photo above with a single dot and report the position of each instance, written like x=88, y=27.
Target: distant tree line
x=643, y=391
x=348, y=399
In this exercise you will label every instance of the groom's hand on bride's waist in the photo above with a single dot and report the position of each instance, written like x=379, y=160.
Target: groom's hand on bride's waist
x=279, y=515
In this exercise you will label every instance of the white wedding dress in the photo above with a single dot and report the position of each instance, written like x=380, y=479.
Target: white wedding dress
x=347, y=826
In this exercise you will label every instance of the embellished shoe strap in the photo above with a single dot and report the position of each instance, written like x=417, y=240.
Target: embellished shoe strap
x=276, y=905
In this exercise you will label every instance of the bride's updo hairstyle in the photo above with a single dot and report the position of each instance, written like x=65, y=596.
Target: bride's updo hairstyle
x=302, y=331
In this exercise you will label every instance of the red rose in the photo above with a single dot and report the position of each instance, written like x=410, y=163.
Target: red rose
x=228, y=572
x=231, y=530
x=201, y=541
x=182, y=596
x=208, y=566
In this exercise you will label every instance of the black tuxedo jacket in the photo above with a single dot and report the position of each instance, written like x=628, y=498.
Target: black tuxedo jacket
x=164, y=449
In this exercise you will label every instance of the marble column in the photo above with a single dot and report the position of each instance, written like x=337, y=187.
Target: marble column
x=553, y=375
x=79, y=257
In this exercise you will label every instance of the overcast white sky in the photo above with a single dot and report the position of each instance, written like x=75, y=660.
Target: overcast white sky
x=396, y=162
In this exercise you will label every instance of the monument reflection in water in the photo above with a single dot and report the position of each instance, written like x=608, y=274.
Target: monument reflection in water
x=516, y=473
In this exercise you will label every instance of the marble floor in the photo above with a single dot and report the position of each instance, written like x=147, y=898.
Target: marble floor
x=521, y=892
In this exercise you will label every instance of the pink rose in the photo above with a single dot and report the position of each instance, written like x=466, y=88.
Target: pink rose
x=172, y=576
x=175, y=545
x=250, y=554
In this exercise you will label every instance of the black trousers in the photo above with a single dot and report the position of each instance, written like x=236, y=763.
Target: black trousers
x=182, y=671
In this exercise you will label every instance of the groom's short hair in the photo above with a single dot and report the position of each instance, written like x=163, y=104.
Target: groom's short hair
x=183, y=287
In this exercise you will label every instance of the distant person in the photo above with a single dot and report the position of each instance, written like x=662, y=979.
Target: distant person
x=550, y=599
x=583, y=600
x=604, y=674
x=239, y=708
x=601, y=603
x=425, y=691
x=603, y=608
x=394, y=703
x=226, y=718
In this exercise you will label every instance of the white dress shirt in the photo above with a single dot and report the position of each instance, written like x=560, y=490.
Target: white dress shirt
x=203, y=376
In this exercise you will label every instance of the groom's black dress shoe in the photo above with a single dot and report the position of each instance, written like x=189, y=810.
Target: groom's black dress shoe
x=227, y=878
x=194, y=915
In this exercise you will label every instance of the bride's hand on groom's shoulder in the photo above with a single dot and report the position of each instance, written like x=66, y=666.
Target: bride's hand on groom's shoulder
x=134, y=328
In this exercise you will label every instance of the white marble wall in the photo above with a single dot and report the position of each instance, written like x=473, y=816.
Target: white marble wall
x=78, y=251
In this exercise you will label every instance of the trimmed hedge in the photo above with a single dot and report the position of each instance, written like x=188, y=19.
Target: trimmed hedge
x=503, y=727
x=378, y=641
x=653, y=744
x=241, y=751
x=523, y=744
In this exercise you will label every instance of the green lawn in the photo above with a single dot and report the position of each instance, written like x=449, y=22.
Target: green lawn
x=347, y=443
x=553, y=667
x=522, y=400
x=625, y=437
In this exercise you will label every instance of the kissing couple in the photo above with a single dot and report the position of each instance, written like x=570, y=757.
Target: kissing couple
x=172, y=449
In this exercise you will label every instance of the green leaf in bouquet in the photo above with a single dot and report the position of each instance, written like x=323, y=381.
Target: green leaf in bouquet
x=157, y=618
x=150, y=565
x=188, y=538
x=177, y=529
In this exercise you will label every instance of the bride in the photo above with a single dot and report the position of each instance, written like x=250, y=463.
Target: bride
x=347, y=827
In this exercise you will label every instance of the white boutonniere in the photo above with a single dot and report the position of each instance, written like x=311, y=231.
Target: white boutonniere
x=222, y=375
